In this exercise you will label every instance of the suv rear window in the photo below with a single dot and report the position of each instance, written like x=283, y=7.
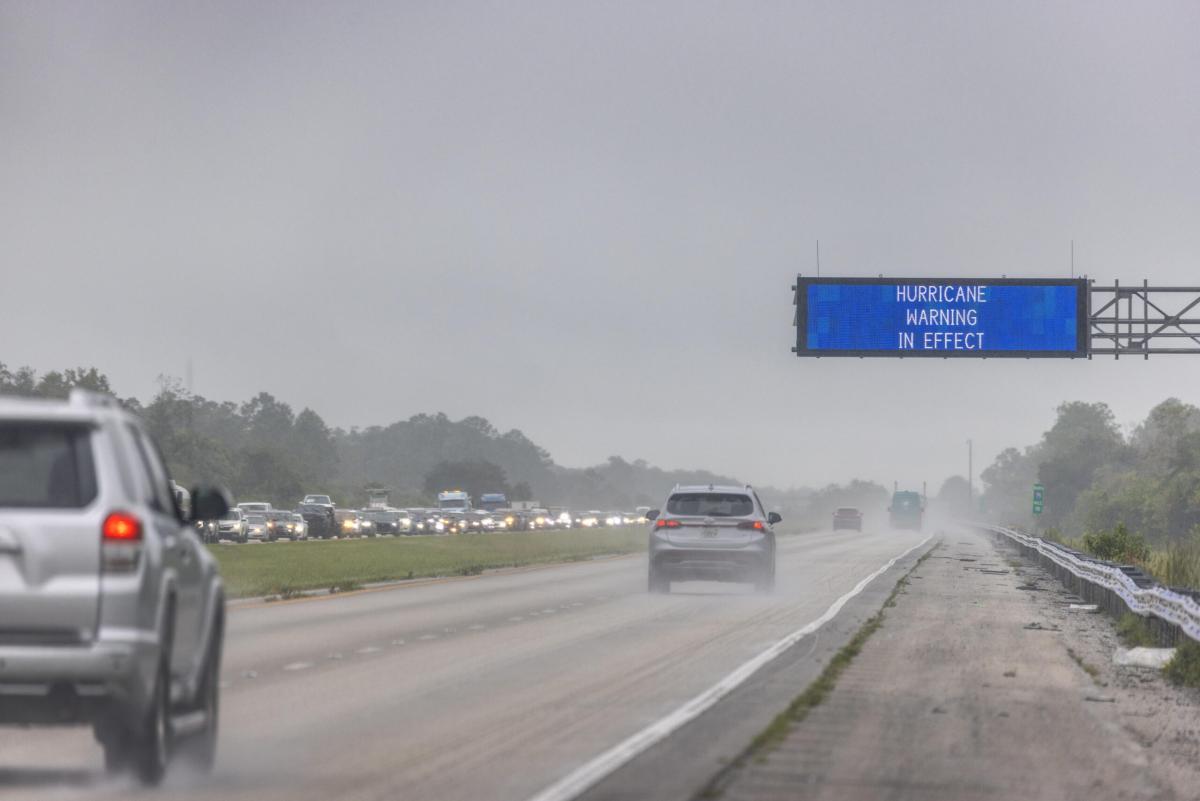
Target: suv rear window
x=710, y=504
x=46, y=466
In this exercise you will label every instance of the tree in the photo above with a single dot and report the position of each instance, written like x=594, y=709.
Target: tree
x=954, y=497
x=1083, y=439
x=1008, y=485
x=53, y=384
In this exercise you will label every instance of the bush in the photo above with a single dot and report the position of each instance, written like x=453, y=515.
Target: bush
x=1134, y=632
x=1117, y=545
x=1184, y=667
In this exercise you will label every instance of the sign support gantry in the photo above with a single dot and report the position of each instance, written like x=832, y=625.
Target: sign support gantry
x=1143, y=320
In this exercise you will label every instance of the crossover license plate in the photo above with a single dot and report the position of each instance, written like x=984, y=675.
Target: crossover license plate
x=709, y=532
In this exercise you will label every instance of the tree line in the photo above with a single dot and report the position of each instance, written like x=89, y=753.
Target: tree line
x=263, y=449
x=1098, y=478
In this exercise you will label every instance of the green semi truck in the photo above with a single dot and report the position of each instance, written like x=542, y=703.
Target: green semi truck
x=907, y=510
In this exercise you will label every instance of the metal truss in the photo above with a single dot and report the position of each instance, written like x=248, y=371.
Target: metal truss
x=1143, y=320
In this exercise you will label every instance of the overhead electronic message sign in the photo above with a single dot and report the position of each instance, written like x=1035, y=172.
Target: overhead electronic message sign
x=942, y=317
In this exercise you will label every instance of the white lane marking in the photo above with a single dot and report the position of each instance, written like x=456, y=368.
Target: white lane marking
x=515, y=619
x=397, y=642
x=428, y=637
x=476, y=627
x=298, y=666
x=369, y=649
x=588, y=774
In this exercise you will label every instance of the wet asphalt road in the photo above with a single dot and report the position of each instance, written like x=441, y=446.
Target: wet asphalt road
x=486, y=687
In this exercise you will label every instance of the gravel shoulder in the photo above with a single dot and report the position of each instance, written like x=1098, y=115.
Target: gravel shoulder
x=982, y=683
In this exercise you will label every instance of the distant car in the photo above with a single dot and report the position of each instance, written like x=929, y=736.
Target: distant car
x=427, y=521
x=207, y=530
x=111, y=610
x=320, y=500
x=348, y=524
x=454, y=522
x=299, y=528
x=515, y=519
x=255, y=507
x=232, y=526
x=279, y=524
x=480, y=520
x=847, y=517
x=257, y=528
x=319, y=518
x=388, y=521
x=712, y=533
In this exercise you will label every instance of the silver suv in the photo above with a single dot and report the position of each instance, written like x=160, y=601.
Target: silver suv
x=712, y=533
x=111, y=609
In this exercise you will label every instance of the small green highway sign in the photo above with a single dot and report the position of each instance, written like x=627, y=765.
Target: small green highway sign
x=1039, y=493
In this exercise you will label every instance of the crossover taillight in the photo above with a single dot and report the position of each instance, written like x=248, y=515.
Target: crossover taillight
x=121, y=541
x=753, y=525
x=667, y=523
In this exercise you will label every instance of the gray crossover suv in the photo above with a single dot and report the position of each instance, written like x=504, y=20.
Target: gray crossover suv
x=712, y=533
x=111, y=608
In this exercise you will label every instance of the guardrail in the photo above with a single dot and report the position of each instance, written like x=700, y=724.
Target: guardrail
x=1111, y=586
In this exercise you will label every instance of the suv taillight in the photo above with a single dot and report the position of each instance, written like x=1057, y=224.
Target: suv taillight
x=121, y=527
x=121, y=543
x=753, y=525
x=660, y=523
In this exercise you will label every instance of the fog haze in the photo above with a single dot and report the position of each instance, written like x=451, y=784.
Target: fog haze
x=583, y=220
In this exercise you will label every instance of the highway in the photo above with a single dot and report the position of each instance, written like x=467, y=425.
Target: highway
x=489, y=687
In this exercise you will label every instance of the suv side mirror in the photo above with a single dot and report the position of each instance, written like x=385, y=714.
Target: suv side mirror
x=773, y=518
x=210, y=503
x=652, y=514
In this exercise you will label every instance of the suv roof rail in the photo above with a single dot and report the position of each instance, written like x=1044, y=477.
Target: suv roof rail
x=91, y=398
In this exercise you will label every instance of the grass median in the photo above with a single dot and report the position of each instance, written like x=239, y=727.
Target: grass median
x=286, y=568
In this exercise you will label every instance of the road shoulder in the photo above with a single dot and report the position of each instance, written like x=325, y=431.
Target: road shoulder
x=979, y=685
x=679, y=767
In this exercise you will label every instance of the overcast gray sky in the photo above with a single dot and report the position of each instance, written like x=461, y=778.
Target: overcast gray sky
x=582, y=219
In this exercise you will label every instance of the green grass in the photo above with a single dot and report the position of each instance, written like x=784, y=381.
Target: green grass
x=1177, y=565
x=287, y=569
x=1184, y=667
x=1134, y=632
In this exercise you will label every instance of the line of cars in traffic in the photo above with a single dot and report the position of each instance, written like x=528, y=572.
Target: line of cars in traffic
x=317, y=517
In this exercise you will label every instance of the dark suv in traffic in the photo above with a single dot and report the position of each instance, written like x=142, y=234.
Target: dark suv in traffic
x=318, y=514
